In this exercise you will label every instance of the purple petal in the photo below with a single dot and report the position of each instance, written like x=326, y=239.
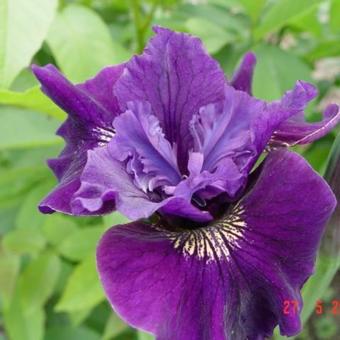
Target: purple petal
x=91, y=107
x=239, y=129
x=228, y=280
x=91, y=102
x=176, y=76
x=243, y=77
x=105, y=182
x=138, y=133
x=296, y=131
x=206, y=184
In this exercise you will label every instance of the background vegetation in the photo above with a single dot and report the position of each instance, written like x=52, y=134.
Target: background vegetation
x=48, y=283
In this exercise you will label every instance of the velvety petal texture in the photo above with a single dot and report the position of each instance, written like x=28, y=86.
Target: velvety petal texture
x=228, y=280
x=232, y=134
x=106, y=183
x=91, y=108
x=177, y=77
x=167, y=138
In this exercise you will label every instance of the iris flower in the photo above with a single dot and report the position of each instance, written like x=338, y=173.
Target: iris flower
x=219, y=239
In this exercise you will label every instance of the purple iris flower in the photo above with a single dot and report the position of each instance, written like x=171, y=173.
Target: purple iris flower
x=218, y=243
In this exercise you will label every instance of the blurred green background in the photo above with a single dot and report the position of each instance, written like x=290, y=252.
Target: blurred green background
x=49, y=288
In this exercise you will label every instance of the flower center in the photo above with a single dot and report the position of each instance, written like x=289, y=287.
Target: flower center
x=213, y=242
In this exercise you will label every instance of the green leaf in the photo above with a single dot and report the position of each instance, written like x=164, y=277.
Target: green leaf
x=325, y=49
x=81, y=243
x=334, y=19
x=24, y=241
x=317, y=153
x=29, y=216
x=309, y=22
x=277, y=71
x=21, y=324
x=253, y=8
x=32, y=99
x=328, y=262
x=77, y=317
x=213, y=36
x=68, y=333
x=16, y=182
x=57, y=227
x=24, y=26
x=24, y=318
x=114, y=327
x=9, y=269
x=281, y=13
x=113, y=219
x=25, y=129
x=37, y=282
x=83, y=289
x=81, y=43
x=145, y=336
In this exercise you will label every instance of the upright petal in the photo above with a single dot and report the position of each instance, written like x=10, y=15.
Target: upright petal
x=91, y=107
x=230, y=279
x=243, y=77
x=239, y=128
x=176, y=76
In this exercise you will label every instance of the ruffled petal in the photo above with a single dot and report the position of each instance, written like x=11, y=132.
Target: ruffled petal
x=243, y=76
x=295, y=131
x=239, y=129
x=203, y=185
x=91, y=108
x=230, y=279
x=105, y=183
x=176, y=76
x=138, y=135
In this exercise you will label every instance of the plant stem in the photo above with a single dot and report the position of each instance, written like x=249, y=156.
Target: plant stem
x=150, y=15
x=136, y=8
x=141, y=25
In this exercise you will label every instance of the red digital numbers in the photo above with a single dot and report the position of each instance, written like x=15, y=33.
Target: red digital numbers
x=336, y=307
x=290, y=307
x=319, y=307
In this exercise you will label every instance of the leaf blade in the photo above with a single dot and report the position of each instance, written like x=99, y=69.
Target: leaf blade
x=24, y=24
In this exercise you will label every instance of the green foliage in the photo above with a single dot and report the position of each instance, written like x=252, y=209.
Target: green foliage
x=26, y=129
x=277, y=71
x=282, y=13
x=49, y=287
x=80, y=31
x=32, y=99
x=83, y=289
x=24, y=26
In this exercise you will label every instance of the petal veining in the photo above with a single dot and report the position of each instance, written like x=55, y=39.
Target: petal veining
x=177, y=77
x=91, y=108
x=230, y=280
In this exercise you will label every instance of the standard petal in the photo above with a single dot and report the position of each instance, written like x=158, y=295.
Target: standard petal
x=91, y=108
x=239, y=129
x=106, y=183
x=176, y=76
x=243, y=77
x=230, y=279
x=297, y=131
